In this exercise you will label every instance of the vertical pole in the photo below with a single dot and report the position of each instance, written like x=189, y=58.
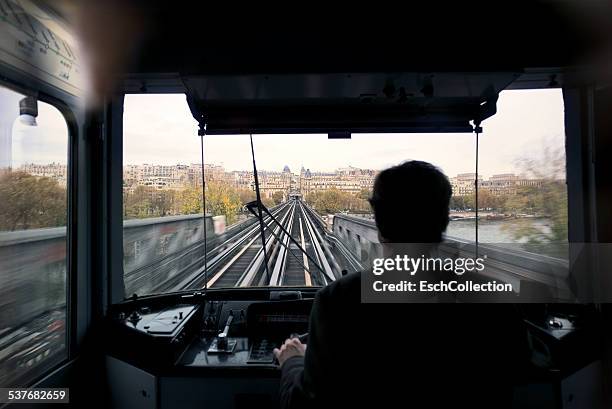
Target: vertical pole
x=259, y=206
x=201, y=133
x=477, y=130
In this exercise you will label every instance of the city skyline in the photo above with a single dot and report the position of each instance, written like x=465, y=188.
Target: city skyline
x=352, y=180
x=294, y=172
x=527, y=122
x=39, y=168
x=159, y=129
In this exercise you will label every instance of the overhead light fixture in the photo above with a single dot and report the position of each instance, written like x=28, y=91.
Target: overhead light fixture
x=28, y=111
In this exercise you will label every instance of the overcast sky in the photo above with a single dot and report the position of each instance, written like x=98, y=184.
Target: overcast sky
x=160, y=129
x=45, y=143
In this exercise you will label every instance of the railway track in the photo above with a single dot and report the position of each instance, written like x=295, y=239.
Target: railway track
x=237, y=259
x=218, y=257
x=243, y=264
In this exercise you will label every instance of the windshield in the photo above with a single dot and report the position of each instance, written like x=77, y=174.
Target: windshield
x=317, y=189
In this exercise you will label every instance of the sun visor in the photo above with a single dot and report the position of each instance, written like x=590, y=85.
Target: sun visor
x=355, y=103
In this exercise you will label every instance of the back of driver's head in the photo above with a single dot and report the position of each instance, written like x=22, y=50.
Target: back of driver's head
x=411, y=203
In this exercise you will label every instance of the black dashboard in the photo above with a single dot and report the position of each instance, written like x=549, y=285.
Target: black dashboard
x=160, y=349
x=216, y=348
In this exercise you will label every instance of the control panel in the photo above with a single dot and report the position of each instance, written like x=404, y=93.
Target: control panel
x=246, y=338
x=211, y=334
x=153, y=334
x=165, y=322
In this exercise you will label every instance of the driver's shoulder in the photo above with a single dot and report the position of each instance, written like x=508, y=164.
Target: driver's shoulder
x=344, y=288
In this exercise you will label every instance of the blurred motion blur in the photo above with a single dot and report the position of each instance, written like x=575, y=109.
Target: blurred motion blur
x=33, y=214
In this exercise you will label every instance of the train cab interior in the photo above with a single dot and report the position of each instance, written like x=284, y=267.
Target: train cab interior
x=178, y=183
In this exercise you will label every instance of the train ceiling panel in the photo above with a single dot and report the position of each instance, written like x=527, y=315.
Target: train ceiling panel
x=353, y=102
x=414, y=37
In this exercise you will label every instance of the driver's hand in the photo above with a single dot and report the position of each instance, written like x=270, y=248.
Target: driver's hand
x=292, y=347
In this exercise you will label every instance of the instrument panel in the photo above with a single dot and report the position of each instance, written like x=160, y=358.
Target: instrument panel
x=162, y=349
x=210, y=334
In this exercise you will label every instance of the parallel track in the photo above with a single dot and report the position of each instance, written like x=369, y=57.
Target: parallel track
x=243, y=264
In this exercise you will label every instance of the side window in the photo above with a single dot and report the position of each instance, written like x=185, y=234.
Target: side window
x=33, y=219
x=523, y=194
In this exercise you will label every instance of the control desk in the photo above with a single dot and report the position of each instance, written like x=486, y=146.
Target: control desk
x=193, y=332
x=215, y=349
x=195, y=350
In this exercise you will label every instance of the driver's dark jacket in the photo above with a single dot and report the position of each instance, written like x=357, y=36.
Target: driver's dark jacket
x=404, y=355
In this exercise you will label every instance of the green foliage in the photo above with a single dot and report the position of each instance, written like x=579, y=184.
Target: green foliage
x=28, y=202
x=548, y=201
x=462, y=202
x=486, y=200
x=521, y=202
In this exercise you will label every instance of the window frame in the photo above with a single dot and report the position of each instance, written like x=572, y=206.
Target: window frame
x=576, y=100
x=68, y=106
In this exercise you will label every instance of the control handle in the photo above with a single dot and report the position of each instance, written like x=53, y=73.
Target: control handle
x=302, y=337
x=222, y=337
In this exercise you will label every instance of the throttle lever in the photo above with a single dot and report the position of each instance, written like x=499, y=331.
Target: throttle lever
x=222, y=337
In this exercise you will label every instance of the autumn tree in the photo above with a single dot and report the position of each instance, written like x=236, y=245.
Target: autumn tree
x=222, y=199
x=365, y=194
x=246, y=195
x=146, y=201
x=462, y=202
x=487, y=200
x=277, y=197
x=163, y=202
x=333, y=200
x=28, y=202
x=519, y=202
x=137, y=204
x=189, y=201
x=548, y=199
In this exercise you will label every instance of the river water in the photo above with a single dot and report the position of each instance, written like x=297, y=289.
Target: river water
x=493, y=231
x=500, y=232
x=490, y=231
